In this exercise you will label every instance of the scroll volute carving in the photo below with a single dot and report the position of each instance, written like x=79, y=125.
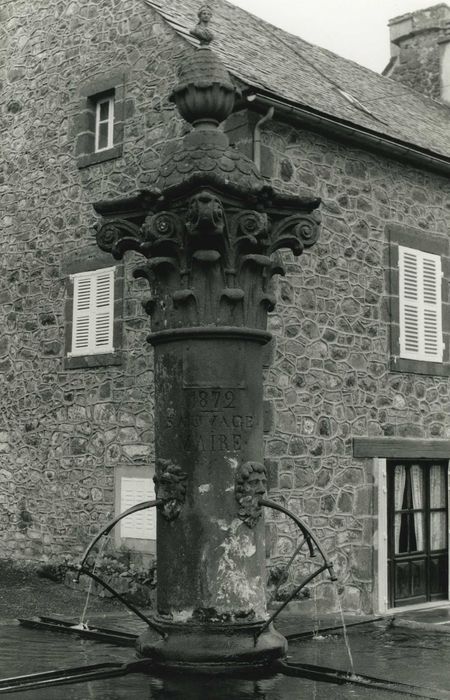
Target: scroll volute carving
x=296, y=232
x=118, y=235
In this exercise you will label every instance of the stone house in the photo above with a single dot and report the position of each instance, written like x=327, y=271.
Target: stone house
x=357, y=391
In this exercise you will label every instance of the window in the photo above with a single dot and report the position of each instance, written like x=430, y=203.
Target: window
x=411, y=517
x=140, y=525
x=134, y=484
x=417, y=515
x=420, y=305
x=104, y=123
x=93, y=312
x=98, y=124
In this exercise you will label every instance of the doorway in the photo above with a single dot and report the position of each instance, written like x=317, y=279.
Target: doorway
x=417, y=531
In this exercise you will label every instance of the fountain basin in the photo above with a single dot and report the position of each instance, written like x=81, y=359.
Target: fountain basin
x=212, y=648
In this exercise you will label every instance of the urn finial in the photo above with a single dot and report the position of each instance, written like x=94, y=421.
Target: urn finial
x=205, y=93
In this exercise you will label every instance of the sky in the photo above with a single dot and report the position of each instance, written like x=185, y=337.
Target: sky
x=355, y=29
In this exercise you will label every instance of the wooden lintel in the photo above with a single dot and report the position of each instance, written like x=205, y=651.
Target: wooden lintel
x=395, y=447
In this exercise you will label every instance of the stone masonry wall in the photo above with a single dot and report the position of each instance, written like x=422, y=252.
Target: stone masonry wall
x=63, y=432
x=330, y=380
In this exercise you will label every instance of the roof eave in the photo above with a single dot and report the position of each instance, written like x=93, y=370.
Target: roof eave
x=349, y=132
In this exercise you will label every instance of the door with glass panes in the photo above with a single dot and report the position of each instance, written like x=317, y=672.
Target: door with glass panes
x=417, y=531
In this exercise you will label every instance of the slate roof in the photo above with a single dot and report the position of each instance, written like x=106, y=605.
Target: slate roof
x=267, y=58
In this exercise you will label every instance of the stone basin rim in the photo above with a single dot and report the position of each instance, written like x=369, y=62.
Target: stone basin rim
x=199, y=626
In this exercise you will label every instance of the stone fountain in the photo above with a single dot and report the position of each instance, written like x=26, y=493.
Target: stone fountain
x=208, y=231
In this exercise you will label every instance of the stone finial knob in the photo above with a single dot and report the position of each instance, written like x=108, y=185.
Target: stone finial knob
x=201, y=30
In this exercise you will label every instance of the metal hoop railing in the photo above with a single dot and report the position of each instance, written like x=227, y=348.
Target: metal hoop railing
x=310, y=538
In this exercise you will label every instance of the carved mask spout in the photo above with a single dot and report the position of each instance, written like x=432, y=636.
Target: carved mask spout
x=250, y=487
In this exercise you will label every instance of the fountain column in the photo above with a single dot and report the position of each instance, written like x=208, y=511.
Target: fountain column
x=208, y=231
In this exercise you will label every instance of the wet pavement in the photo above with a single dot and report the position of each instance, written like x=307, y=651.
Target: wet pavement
x=414, y=655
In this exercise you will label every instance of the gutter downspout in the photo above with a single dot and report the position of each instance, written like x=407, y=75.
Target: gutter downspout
x=390, y=147
x=257, y=136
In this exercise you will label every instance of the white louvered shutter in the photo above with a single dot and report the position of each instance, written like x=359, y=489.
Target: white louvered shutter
x=420, y=305
x=93, y=312
x=140, y=525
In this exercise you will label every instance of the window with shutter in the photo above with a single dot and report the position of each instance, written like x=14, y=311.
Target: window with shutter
x=420, y=305
x=140, y=525
x=93, y=312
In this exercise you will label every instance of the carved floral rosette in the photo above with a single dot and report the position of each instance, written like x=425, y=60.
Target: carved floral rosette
x=209, y=262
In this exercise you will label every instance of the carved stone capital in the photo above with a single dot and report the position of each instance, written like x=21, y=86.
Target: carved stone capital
x=209, y=261
x=250, y=487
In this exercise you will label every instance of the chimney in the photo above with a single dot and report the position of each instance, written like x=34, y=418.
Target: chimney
x=420, y=51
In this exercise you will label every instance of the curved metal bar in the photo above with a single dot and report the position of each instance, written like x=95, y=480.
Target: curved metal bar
x=306, y=533
x=112, y=523
x=285, y=570
x=309, y=537
x=305, y=530
x=297, y=590
x=114, y=593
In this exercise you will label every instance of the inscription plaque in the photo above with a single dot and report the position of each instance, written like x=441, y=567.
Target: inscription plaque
x=205, y=369
x=214, y=421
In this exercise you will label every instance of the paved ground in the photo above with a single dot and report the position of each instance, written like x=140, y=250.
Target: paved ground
x=412, y=656
x=22, y=595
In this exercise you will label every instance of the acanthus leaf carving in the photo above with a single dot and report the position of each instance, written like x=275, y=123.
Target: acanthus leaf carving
x=125, y=244
x=163, y=262
x=183, y=296
x=268, y=301
x=233, y=295
x=277, y=268
x=262, y=261
x=206, y=256
x=143, y=272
